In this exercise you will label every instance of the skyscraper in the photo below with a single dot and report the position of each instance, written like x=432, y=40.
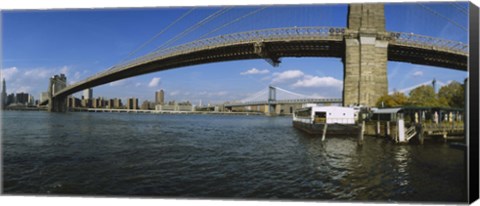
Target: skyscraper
x=159, y=97
x=4, y=94
x=132, y=103
x=88, y=93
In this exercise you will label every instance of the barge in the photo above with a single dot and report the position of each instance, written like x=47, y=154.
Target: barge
x=333, y=120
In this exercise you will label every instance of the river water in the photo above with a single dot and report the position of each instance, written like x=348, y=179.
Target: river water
x=215, y=156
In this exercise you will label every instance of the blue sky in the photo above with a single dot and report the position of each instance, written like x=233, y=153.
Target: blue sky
x=80, y=43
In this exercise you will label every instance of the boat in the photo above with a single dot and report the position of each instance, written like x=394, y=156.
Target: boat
x=335, y=120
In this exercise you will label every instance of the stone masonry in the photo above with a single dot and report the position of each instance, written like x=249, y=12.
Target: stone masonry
x=365, y=60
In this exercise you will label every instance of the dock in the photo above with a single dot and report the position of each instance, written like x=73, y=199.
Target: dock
x=404, y=125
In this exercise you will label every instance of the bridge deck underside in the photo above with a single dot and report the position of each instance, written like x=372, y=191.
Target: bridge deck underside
x=431, y=57
x=272, y=49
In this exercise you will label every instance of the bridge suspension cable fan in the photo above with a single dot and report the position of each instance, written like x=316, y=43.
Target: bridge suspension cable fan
x=292, y=93
x=459, y=8
x=193, y=28
x=440, y=15
x=158, y=34
x=233, y=21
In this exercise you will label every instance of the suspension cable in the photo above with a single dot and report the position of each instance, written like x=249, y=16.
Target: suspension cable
x=158, y=34
x=459, y=9
x=194, y=27
x=254, y=96
x=463, y=8
x=233, y=21
x=293, y=93
x=440, y=15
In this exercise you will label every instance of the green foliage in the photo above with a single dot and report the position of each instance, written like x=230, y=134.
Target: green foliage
x=395, y=100
x=424, y=96
x=453, y=94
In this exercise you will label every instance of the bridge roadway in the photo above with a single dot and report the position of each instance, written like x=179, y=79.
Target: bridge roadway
x=272, y=44
x=290, y=101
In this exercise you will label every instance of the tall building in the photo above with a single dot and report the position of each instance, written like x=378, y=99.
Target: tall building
x=159, y=97
x=88, y=93
x=132, y=103
x=11, y=99
x=145, y=105
x=22, y=98
x=31, y=100
x=117, y=103
x=4, y=94
x=73, y=102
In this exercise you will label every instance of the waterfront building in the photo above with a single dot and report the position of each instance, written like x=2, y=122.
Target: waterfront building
x=132, y=103
x=21, y=98
x=73, y=102
x=11, y=99
x=160, y=97
x=109, y=104
x=31, y=100
x=86, y=103
x=88, y=93
x=145, y=105
x=117, y=103
x=98, y=102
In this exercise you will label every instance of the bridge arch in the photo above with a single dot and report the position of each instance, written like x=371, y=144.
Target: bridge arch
x=273, y=44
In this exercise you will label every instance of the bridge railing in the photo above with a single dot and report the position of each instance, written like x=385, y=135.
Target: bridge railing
x=243, y=37
x=429, y=42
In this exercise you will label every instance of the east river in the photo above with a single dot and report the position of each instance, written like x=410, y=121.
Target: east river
x=216, y=156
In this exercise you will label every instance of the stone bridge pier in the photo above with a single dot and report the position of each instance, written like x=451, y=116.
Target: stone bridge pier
x=365, y=60
x=57, y=103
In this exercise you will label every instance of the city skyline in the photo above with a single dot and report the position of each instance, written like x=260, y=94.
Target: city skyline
x=29, y=60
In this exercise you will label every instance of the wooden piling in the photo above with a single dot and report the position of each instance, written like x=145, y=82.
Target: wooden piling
x=378, y=129
x=388, y=128
x=324, y=131
x=420, y=134
x=360, y=135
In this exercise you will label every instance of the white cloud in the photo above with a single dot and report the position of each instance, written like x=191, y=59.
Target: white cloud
x=39, y=73
x=154, y=82
x=8, y=73
x=118, y=83
x=174, y=93
x=418, y=73
x=25, y=89
x=64, y=70
x=138, y=84
x=287, y=75
x=316, y=81
x=255, y=71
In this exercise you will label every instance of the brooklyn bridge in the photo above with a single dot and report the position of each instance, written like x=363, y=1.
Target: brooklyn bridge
x=364, y=47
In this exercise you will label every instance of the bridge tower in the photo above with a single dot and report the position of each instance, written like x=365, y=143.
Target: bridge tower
x=58, y=103
x=365, y=60
x=272, y=98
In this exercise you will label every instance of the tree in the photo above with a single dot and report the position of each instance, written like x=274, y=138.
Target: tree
x=425, y=96
x=396, y=99
x=453, y=94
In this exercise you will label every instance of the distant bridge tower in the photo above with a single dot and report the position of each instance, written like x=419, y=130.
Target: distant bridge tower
x=58, y=103
x=272, y=98
x=365, y=60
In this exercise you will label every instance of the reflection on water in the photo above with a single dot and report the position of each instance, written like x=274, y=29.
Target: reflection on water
x=216, y=156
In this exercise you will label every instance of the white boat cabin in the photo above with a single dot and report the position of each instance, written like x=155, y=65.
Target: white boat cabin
x=325, y=114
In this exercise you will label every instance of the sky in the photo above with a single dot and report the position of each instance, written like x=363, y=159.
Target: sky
x=37, y=44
